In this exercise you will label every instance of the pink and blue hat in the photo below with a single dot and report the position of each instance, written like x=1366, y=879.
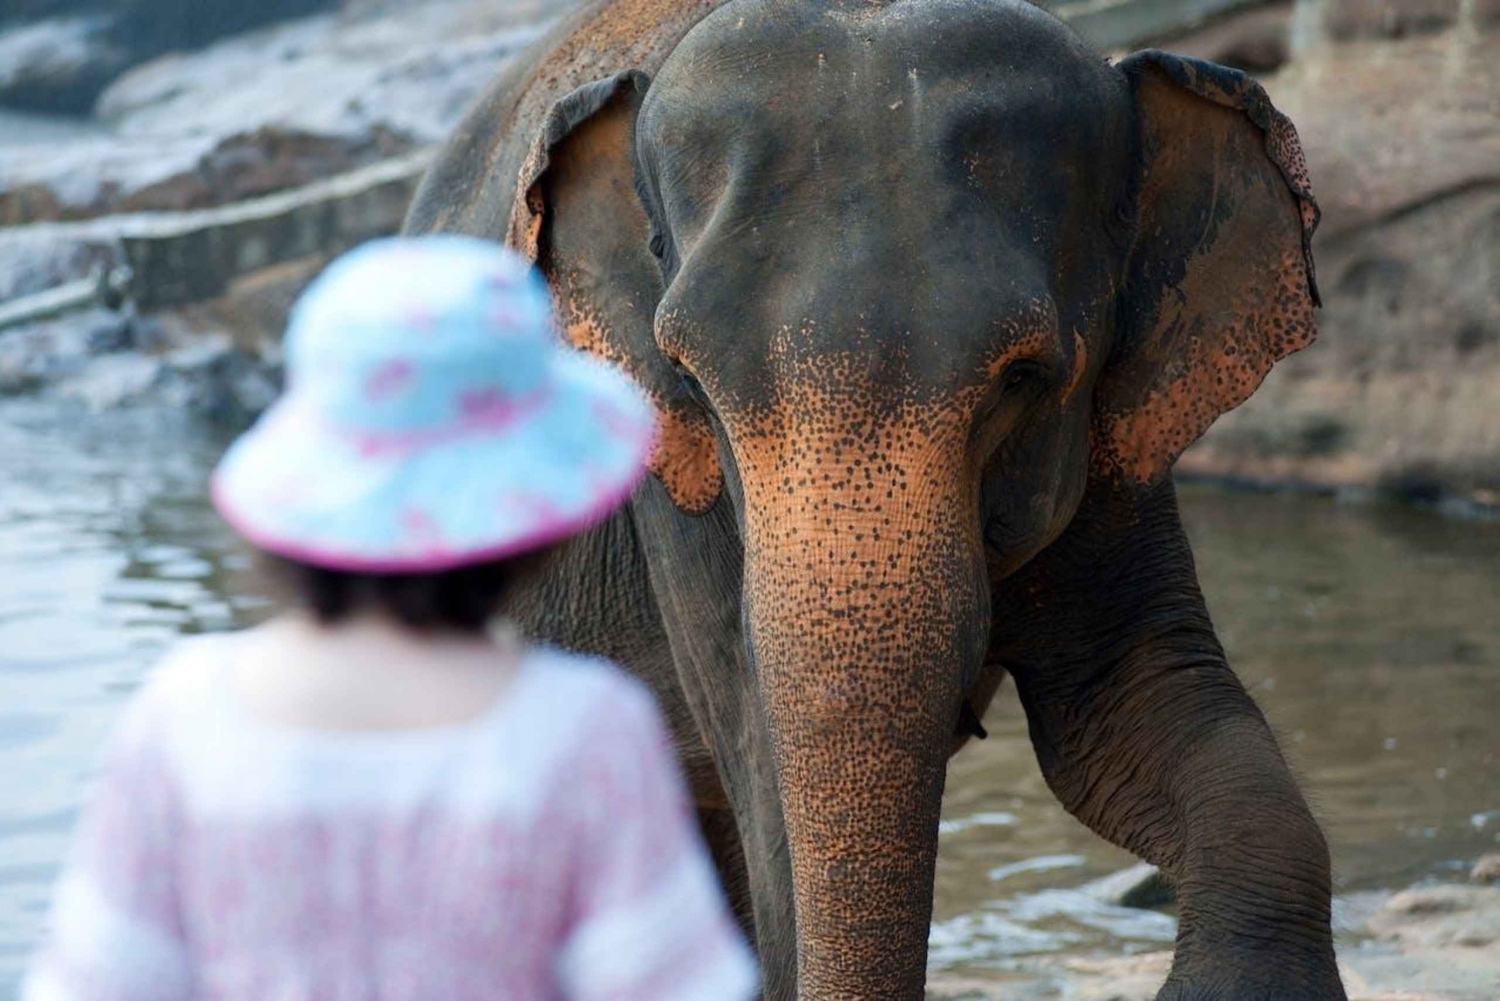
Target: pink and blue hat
x=432, y=418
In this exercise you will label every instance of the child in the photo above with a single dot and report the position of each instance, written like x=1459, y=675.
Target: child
x=378, y=796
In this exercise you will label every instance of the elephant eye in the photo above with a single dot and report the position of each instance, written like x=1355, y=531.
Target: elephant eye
x=1020, y=375
x=688, y=380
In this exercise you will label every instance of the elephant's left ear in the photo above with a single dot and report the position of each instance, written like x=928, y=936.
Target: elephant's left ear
x=1219, y=284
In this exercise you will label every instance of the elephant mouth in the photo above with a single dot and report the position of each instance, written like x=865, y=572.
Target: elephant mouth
x=969, y=724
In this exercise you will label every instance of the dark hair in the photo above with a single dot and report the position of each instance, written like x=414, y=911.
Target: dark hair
x=459, y=600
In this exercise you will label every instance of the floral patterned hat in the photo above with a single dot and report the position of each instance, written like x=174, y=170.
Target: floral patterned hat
x=432, y=418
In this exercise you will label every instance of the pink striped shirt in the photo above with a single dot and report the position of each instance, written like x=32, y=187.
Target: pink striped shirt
x=545, y=850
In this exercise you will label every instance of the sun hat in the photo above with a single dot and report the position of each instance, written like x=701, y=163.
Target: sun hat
x=432, y=419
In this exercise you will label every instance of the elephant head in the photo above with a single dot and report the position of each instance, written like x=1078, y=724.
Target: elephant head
x=905, y=281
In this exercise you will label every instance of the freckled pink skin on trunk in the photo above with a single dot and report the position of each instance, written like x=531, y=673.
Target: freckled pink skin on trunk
x=863, y=580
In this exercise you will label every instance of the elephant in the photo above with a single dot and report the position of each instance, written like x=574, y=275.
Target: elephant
x=928, y=297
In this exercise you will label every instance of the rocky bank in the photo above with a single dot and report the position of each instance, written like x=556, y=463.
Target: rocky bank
x=1432, y=942
x=57, y=55
x=255, y=119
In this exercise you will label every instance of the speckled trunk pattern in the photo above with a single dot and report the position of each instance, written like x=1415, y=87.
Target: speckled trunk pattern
x=865, y=607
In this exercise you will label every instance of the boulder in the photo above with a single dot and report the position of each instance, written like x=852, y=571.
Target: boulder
x=58, y=55
x=1346, y=19
x=113, y=381
x=59, y=65
x=1141, y=885
x=1429, y=917
x=1256, y=39
x=272, y=109
x=1487, y=869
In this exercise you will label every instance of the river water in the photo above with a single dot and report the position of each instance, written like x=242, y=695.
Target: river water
x=19, y=129
x=1371, y=637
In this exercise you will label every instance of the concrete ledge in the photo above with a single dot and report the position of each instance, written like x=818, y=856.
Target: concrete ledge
x=193, y=256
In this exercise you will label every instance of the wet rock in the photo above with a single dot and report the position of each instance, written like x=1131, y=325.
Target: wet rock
x=38, y=258
x=58, y=56
x=110, y=332
x=256, y=163
x=273, y=108
x=1441, y=916
x=1141, y=885
x=39, y=354
x=218, y=381
x=1487, y=869
x=59, y=65
x=113, y=381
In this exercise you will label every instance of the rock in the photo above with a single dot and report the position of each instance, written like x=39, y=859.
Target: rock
x=254, y=309
x=112, y=332
x=34, y=356
x=59, y=65
x=113, y=381
x=273, y=108
x=37, y=258
x=58, y=56
x=1141, y=885
x=1430, y=917
x=1487, y=869
x=218, y=381
x=1346, y=19
x=1256, y=39
x=108, y=360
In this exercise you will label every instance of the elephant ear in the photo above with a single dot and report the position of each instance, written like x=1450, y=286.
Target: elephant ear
x=1219, y=283
x=577, y=215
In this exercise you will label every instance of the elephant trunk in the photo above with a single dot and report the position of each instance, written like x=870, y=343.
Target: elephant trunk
x=866, y=621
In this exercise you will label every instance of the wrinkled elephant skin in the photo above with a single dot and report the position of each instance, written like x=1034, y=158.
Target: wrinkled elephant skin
x=929, y=298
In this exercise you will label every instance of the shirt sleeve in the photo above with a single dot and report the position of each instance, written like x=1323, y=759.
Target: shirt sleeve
x=115, y=932
x=649, y=921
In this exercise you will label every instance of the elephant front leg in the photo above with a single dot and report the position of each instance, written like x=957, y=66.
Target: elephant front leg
x=1146, y=735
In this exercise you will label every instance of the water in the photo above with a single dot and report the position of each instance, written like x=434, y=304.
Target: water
x=1370, y=637
x=19, y=128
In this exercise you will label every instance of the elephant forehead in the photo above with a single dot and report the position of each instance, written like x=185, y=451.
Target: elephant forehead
x=762, y=60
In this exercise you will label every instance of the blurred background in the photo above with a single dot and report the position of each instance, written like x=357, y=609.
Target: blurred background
x=172, y=172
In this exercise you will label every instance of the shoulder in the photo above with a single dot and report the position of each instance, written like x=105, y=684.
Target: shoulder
x=596, y=691
x=182, y=681
x=589, y=678
x=175, y=688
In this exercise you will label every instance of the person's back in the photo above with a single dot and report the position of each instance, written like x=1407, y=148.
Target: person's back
x=386, y=796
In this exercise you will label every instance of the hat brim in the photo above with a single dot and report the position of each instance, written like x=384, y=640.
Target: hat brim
x=298, y=488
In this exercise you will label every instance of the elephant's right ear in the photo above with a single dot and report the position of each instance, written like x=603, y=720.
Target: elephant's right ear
x=578, y=216
x=1219, y=284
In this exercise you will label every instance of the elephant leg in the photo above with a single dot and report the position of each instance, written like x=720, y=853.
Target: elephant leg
x=1146, y=735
